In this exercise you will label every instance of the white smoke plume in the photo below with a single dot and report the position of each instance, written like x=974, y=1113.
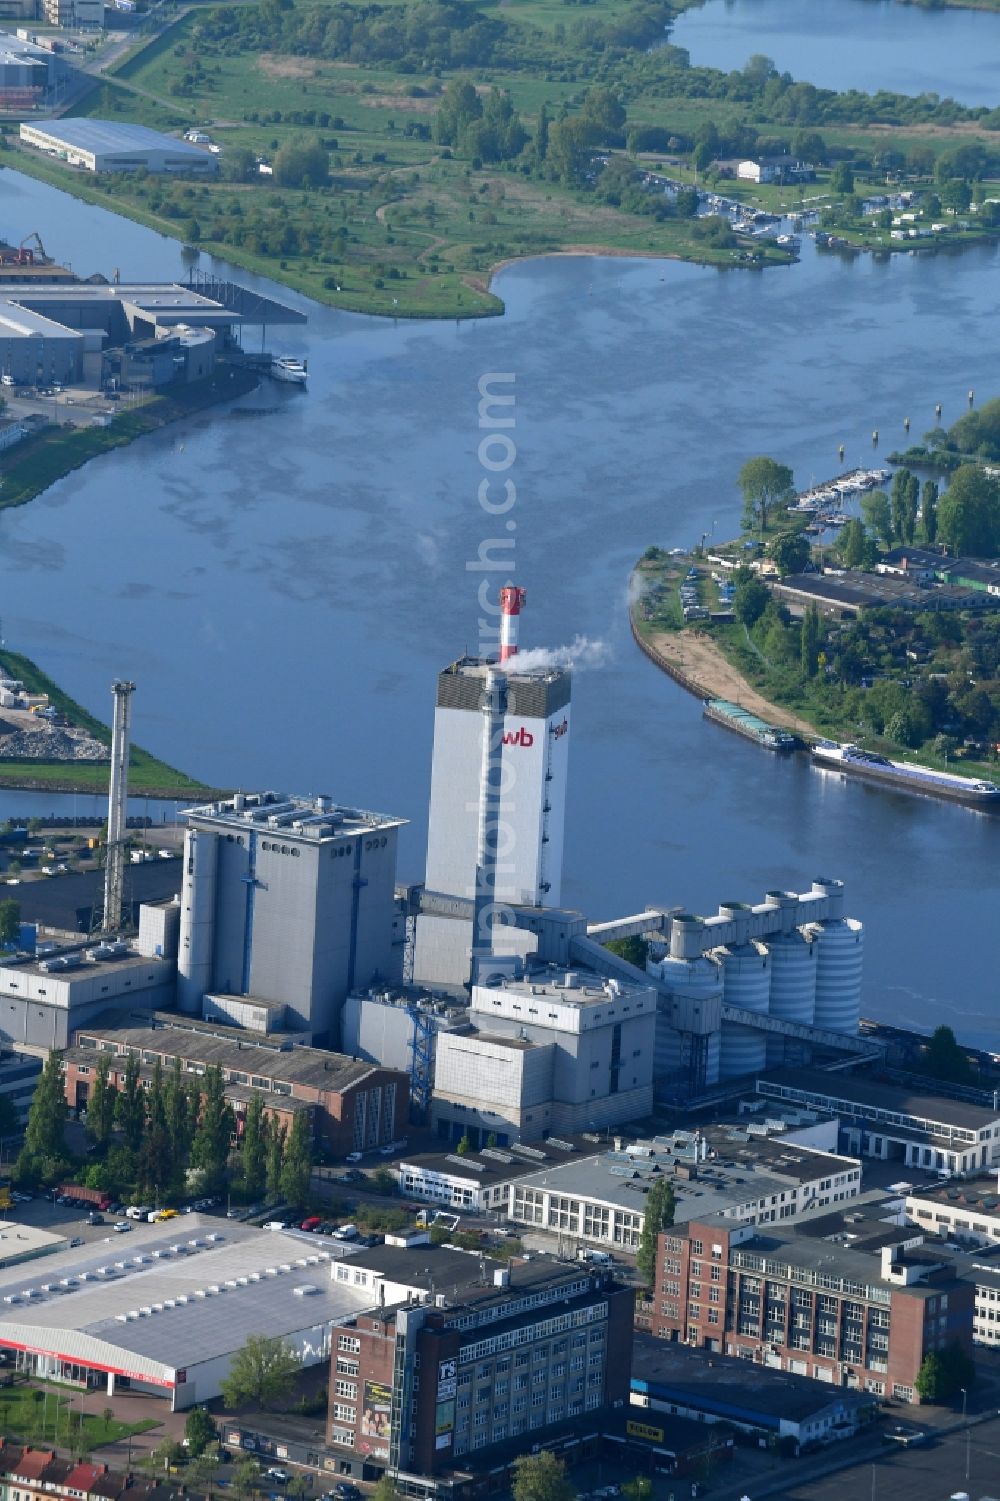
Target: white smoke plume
x=582, y=654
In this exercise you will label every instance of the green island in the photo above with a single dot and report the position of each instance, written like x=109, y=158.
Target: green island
x=147, y=775
x=416, y=145
x=914, y=681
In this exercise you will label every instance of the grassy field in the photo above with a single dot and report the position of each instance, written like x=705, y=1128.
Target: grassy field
x=146, y=774
x=45, y=1416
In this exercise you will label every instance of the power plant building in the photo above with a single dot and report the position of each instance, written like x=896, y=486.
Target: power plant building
x=555, y=1053
x=43, y=1000
x=289, y=900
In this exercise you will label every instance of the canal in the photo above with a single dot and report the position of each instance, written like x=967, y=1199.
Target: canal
x=284, y=579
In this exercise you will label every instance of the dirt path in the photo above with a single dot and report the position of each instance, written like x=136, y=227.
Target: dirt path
x=698, y=660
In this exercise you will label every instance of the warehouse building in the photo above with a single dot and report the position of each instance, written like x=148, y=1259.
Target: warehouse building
x=966, y=1210
x=36, y=350
x=477, y=1181
x=896, y=1125
x=29, y=74
x=163, y=1310
x=355, y=1107
x=117, y=146
x=470, y=1360
x=600, y=1200
x=42, y=1001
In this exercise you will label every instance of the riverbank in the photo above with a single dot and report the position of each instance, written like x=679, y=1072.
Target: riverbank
x=148, y=776
x=53, y=452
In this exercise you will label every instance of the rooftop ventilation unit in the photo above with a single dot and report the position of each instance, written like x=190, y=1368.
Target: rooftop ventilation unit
x=306, y=1290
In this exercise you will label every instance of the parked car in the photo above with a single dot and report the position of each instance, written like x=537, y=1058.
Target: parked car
x=312, y=1222
x=76, y=1241
x=95, y=1219
x=278, y=1475
x=123, y=1227
x=345, y=1491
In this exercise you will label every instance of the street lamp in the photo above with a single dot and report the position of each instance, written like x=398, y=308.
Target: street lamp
x=965, y=1402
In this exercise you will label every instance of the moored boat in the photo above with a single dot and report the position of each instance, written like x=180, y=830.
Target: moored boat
x=907, y=776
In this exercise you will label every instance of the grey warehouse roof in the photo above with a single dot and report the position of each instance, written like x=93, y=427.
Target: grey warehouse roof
x=113, y=136
x=172, y=1295
x=864, y=1091
x=316, y=819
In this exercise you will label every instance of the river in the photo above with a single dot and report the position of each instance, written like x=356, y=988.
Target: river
x=284, y=586
x=860, y=44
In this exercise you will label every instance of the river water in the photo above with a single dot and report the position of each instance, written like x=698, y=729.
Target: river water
x=859, y=44
x=283, y=580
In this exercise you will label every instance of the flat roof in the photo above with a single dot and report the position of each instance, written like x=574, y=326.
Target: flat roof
x=112, y=136
x=18, y=1242
x=980, y=1195
x=171, y=1295
x=860, y=1090
x=314, y=1067
x=319, y=820
x=491, y=1164
x=566, y=986
x=84, y=965
x=755, y=1169
x=18, y=322
x=716, y=1383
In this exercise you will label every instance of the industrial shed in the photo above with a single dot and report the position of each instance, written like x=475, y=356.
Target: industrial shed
x=164, y=1309
x=113, y=146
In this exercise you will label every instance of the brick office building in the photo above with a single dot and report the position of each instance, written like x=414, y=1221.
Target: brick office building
x=355, y=1105
x=425, y=1388
x=795, y=1301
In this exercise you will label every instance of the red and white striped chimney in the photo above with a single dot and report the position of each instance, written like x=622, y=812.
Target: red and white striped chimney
x=511, y=599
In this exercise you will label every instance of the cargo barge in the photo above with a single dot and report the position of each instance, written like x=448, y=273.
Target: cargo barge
x=905, y=775
x=733, y=717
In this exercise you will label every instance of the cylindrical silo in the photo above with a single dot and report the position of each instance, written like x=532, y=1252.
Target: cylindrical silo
x=794, y=958
x=696, y=981
x=839, y=952
x=197, y=930
x=746, y=982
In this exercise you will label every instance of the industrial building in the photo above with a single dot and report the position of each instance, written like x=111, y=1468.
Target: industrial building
x=117, y=146
x=163, y=1310
x=291, y=900
x=965, y=1210
x=600, y=1199
x=354, y=1107
x=18, y=1077
x=78, y=14
x=461, y=1363
x=553, y=1053
x=477, y=1182
x=21, y=1243
x=398, y=1028
x=692, y=1384
x=30, y=75
x=882, y=1120
x=829, y=1298
x=42, y=1000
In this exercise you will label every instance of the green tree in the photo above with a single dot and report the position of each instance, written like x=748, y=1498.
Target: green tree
x=239, y=164
x=945, y=1060
x=245, y=1476
x=604, y=110
x=199, y=1430
x=262, y=1373
x=210, y=1145
x=943, y=1373
x=751, y=597
x=877, y=513
x=296, y=1170
x=842, y=179
x=130, y=1105
x=255, y=1148
x=928, y=512
x=180, y=1116
x=766, y=484
x=464, y=1147
x=968, y=513
x=634, y=948
x=639, y=1489
x=385, y=1489
x=44, y=1133
x=898, y=502
x=274, y=1153
x=790, y=551
x=658, y=1215
x=571, y=146
x=809, y=642
x=460, y=105
x=542, y=133
x=911, y=507
x=854, y=546
x=101, y=1104
x=956, y=195
x=541, y=1477
x=10, y=923
x=155, y=1162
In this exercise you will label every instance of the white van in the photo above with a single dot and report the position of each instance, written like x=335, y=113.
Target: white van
x=596, y=1258
x=138, y=1211
x=346, y=1232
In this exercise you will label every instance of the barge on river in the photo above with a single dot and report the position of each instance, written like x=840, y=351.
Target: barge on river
x=905, y=775
x=733, y=717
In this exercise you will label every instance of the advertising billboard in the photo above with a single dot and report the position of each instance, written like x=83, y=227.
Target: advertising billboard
x=376, y=1419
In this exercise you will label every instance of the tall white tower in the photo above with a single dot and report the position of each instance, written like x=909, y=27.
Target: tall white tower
x=530, y=816
x=114, y=871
